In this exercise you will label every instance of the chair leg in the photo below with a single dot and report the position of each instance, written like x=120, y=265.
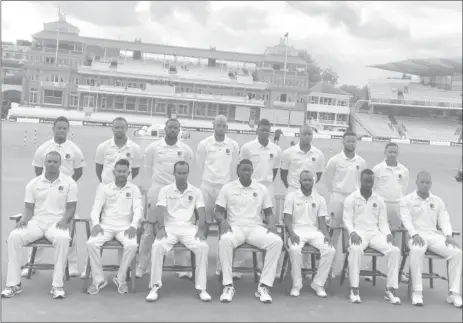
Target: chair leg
x=193, y=266
x=31, y=263
x=284, y=265
x=344, y=268
x=431, y=273
x=312, y=263
x=254, y=264
x=374, y=271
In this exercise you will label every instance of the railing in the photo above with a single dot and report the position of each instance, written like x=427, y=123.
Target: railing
x=53, y=50
x=429, y=103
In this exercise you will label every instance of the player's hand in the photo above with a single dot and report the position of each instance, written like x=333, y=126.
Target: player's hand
x=417, y=240
x=22, y=223
x=389, y=238
x=63, y=225
x=272, y=228
x=200, y=234
x=355, y=239
x=224, y=227
x=131, y=232
x=97, y=229
x=450, y=241
x=142, y=190
x=161, y=234
x=294, y=239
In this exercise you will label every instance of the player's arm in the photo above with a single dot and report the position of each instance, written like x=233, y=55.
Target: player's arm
x=100, y=201
x=221, y=205
x=160, y=211
x=99, y=161
x=348, y=214
x=79, y=164
x=406, y=181
x=322, y=216
x=78, y=172
x=148, y=164
x=285, y=163
x=137, y=208
x=320, y=166
x=376, y=171
x=37, y=161
x=234, y=161
x=277, y=163
x=29, y=203
x=383, y=223
x=267, y=207
x=288, y=210
x=71, y=202
x=443, y=219
x=136, y=161
x=200, y=208
x=406, y=217
x=201, y=155
x=329, y=173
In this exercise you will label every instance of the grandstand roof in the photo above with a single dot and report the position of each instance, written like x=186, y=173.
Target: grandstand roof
x=324, y=87
x=425, y=67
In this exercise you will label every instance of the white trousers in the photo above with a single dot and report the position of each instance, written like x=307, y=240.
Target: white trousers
x=378, y=241
x=186, y=236
x=35, y=230
x=335, y=210
x=436, y=243
x=316, y=239
x=254, y=235
x=94, y=247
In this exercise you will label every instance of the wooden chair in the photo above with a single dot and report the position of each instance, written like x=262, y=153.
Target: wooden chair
x=45, y=243
x=431, y=256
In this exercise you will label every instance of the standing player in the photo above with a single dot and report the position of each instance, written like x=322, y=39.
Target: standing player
x=160, y=158
x=216, y=156
x=277, y=135
x=391, y=182
x=342, y=178
x=72, y=165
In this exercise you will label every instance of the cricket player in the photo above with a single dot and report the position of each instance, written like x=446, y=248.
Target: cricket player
x=72, y=165
x=342, y=178
x=422, y=212
x=160, y=158
x=391, y=182
x=176, y=222
x=216, y=156
x=238, y=214
x=50, y=204
x=305, y=214
x=365, y=219
x=116, y=214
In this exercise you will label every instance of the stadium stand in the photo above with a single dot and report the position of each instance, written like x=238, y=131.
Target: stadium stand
x=429, y=129
x=377, y=125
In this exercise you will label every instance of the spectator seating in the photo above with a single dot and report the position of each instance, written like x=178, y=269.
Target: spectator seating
x=429, y=129
x=377, y=125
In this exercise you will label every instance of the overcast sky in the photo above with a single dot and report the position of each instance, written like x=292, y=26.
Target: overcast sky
x=345, y=35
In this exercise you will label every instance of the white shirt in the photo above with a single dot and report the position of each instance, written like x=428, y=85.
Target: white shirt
x=216, y=158
x=50, y=198
x=391, y=182
x=343, y=174
x=305, y=210
x=420, y=215
x=117, y=208
x=108, y=153
x=295, y=161
x=180, y=206
x=244, y=204
x=160, y=159
x=71, y=155
x=361, y=215
x=264, y=160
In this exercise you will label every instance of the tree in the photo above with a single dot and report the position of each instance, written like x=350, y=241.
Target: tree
x=357, y=92
x=313, y=69
x=330, y=76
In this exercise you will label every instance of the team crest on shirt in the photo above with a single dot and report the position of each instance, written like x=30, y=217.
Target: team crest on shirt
x=332, y=214
x=431, y=206
x=127, y=194
x=254, y=194
x=313, y=159
x=179, y=154
x=358, y=167
x=227, y=151
x=190, y=198
x=400, y=176
x=314, y=205
x=271, y=156
x=375, y=205
x=128, y=155
x=60, y=188
x=67, y=156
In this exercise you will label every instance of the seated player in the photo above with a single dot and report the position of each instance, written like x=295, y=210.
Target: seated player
x=305, y=214
x=175, y=220
x=238, y=213
x=116, y=214
x=50, y=204
x=422, y=212
x=365, y=219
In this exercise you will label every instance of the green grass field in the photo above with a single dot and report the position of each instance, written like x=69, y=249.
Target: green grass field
x=178, y=301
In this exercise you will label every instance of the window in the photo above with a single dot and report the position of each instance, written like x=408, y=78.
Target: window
x=223, y=109
x=33, y=95
x=132, y=85
x=161, y=108
x=143, y=104
x=198, y=91
x=103, y=102
x=341, y=117
x=77, y=80
x=312, y=115
x=73, y=100
x=34, y=77
x=89, y=101
x=142, y=86
x=53, y=97
x=119, y=102
x=91, y=82
x=211, y=109
x=50, y=60
x=200, y=109
x=119, y=83
x=130, y=103
x=183, y=110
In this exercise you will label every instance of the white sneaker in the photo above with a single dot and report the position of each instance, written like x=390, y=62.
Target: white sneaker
x=319, y=290
x=25, y=272
x=83, y=275
x=455, y=299
x=57, y=292
x=185, y=274
x=139, y=273
x=295, y=291
x=227, y=294
x=417, y=299
x=204, y=295
x=404, y=278
x=73, y=271
x=263, y=294
x=391, y=296
x=354, y=296
x=154, y=294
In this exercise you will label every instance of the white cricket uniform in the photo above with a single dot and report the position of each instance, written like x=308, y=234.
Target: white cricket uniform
x=305, y=212
x=422, y=217
x=180, y=227
x=71, y=158
x=295, y=161
x=49, y=199
x=115, y=210
x=264, y=161
x=108, y=153
x=368, y=219
x=244, y=206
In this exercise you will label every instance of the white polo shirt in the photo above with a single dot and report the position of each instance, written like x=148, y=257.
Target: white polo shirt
x=420, y=215
x=343, y=174
x=391, y=182
x=295, y=161
x=305, y=210
x=50, y=198
x=108, y=153
x=71, y=155
x=244, y=204
x=215, y=158
x=117, y=208
x=180, y=206
x=360, y=215
x=264, y=160
x=160, y=159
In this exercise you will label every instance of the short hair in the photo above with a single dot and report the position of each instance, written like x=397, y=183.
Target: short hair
x=172, y=120
x=391, y=144
x=264, y=122
x=61, y=119
x=53, y=153
x=349, y=133
x=423, y=172
x=244, y=162
x=120, y=119
x=366, y=171
x=122, y=162
x=305, y=172
x=181, y=163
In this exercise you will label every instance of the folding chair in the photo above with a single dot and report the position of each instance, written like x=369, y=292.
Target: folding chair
x=368, y=252
x=45, y=243
x=431, y=256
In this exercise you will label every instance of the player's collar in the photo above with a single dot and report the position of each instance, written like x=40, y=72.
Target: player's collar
x=188, y=188
x=113, y=142
x=417, y=197
x=44, y=179
x=252, y=185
